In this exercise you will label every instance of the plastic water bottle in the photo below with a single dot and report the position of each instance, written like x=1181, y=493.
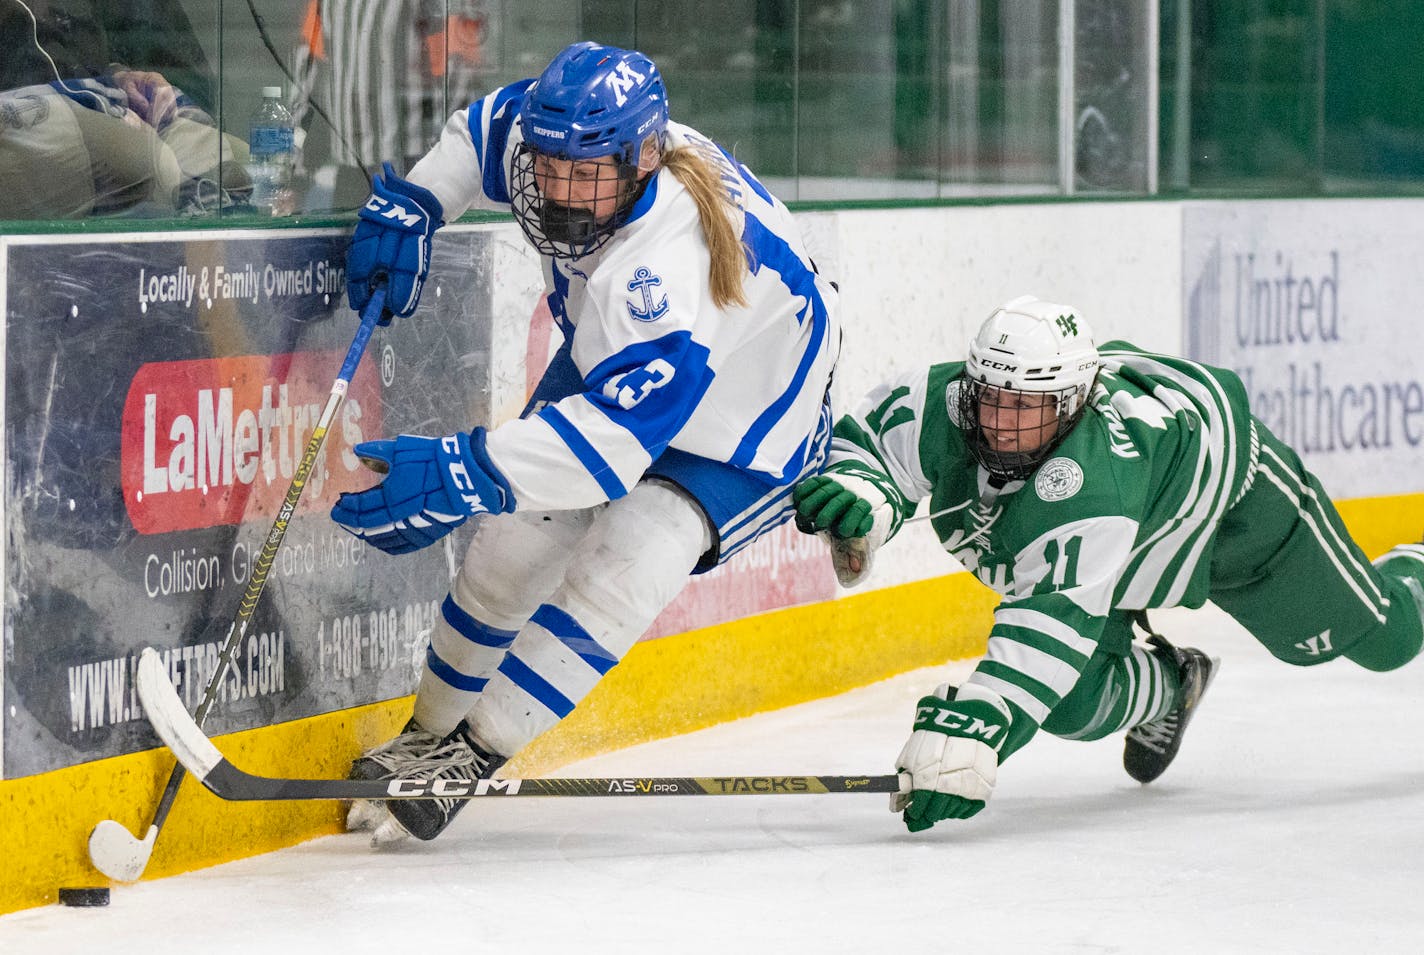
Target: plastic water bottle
x=273, y=155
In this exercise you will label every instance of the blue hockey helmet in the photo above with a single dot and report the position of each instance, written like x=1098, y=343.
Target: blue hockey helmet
x=593, y=101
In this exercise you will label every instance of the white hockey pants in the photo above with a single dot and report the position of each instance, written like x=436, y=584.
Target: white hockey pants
x=546, y=603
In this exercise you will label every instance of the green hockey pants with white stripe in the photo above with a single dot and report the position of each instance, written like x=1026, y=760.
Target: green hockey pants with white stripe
x=1287, y=570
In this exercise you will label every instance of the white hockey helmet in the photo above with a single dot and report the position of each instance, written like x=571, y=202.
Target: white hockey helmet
x=1027, y=347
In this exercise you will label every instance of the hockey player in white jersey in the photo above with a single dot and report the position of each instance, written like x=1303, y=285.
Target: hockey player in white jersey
x=1087, y=486
x=688, y=397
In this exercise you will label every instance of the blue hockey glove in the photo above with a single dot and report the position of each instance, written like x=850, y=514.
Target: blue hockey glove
x=392, y=240
x=951, y=761
x=432, y=486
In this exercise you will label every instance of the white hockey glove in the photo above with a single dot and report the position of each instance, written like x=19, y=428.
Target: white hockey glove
x=951, y=761
x=851, y=514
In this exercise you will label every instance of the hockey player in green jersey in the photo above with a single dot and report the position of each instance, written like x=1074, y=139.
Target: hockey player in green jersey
x=1087, y=486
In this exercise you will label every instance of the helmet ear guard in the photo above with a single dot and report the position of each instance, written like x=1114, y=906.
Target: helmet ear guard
x=1026, y=383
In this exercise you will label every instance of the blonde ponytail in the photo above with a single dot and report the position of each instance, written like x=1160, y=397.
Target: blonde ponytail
x=714, y=209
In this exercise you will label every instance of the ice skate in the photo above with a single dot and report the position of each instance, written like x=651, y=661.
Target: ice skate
x=418, y=754
x=1151, y=747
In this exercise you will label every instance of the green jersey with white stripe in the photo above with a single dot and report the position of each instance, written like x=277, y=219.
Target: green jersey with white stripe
x=1121, y=516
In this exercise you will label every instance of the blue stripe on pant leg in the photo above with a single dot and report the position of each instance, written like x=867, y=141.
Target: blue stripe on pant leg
x=568, y=632
x=473, y=630
x=469, y=629
x=450, y=675
x=536, y=686
x=768, y=521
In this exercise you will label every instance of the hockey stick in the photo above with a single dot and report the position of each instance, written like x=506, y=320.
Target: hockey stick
x=195, y=751
x=112, y=848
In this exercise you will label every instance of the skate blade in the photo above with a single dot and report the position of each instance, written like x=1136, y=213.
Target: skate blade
x=365, y=814
x=388, y=833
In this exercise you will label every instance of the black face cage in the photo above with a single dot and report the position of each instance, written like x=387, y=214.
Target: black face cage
x=1067, y=405
x=566, y=232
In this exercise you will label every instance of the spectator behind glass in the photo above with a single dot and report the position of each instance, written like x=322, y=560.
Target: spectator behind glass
x=92, y=122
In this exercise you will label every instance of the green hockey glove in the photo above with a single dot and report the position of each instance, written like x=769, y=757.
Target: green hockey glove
x=825, y=503
x=850, y=513
x=951, y=761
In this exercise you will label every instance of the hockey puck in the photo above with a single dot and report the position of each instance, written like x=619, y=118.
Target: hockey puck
x=85, y=898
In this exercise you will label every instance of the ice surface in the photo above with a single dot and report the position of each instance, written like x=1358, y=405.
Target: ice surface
x=1293, y=821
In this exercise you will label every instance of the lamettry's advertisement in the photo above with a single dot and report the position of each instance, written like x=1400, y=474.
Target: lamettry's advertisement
x=158, y=397
x=1310, y=302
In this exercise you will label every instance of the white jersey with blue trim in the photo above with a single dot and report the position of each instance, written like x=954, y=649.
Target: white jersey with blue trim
x=663, y=367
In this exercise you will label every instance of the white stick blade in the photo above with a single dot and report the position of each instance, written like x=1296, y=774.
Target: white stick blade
x=116, y=853
x=170, y=718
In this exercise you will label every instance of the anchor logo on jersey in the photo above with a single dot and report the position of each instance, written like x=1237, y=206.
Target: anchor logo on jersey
x=643, y=282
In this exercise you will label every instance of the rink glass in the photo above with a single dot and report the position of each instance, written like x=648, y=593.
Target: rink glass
x=827, y=100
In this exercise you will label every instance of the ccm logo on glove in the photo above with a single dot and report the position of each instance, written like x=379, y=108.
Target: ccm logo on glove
x=460, y=475
x=391, y=243
x=411, y=220
x=957, y=723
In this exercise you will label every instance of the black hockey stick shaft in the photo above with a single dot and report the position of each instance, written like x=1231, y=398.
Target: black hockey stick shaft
x=228, y=782
x=257, y=582
x=195, y=751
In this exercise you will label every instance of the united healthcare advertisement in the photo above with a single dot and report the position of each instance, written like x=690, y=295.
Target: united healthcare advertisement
x=1311, y=303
